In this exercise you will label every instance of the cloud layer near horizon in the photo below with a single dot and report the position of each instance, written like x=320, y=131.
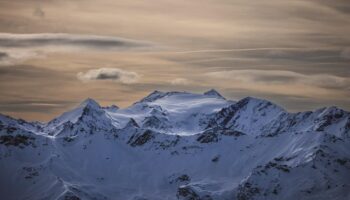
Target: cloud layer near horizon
x=283, y=77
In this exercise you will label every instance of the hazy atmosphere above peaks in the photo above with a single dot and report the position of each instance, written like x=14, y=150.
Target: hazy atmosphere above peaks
x=54, y=54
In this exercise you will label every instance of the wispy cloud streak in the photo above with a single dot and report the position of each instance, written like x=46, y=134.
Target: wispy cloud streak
x=20, y=47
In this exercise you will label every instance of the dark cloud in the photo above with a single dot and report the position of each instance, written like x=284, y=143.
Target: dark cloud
x=66, y=40
x=114, y=74
x=342, y=6
x=106, y=76
x=3, y=55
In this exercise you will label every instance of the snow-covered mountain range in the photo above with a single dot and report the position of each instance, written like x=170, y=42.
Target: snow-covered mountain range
x=178, y=145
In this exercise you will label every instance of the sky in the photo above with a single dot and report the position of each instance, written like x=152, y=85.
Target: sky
x=56, y=53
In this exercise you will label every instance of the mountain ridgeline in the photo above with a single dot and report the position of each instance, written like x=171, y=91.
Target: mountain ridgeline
x=178, y=145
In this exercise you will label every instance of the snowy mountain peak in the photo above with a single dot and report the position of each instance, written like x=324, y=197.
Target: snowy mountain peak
x=75, y=114
x=330, y=110
x=249, y=115
x=261, y=103
x=214, y=93
x=89, y=103
x=152, y=96
x=156, y=95
x=178, y=146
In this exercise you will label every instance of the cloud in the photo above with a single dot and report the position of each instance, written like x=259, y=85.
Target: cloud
x=273, y=77
x=42, y=40
x=180, y=81
x=265, y=56
x=3, y=55
x=20, y=47
x=11, y=57
x=113, y=74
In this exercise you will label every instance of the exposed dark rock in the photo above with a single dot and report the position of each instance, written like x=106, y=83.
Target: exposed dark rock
x=71, y=196
x=191, y=147
x=247, y=191
x=231, y=132
x=17, y=140
x=155, y=122
x=342, y=161
x=10, y=129
x=214, y=93
x=187, y=193
x=333, y=115
x=167, y=143
x=184, y=178
x=141, y=139
x=207, y=137
x=68, y=139
x=132, y=123
x=216, y=158
x=31, y=172
x=281, y=167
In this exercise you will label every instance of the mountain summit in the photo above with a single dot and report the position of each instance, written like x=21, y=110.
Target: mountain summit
x=89, y=103
x=213, y=92
x=178, y=145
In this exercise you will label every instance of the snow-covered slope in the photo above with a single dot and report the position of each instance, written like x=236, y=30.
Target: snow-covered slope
x=178, y=145
x=179, y=113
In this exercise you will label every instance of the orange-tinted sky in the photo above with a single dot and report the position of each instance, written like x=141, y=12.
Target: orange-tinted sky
x=55, y=53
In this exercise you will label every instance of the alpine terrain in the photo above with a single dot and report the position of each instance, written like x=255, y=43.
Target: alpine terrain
x=178, y=145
